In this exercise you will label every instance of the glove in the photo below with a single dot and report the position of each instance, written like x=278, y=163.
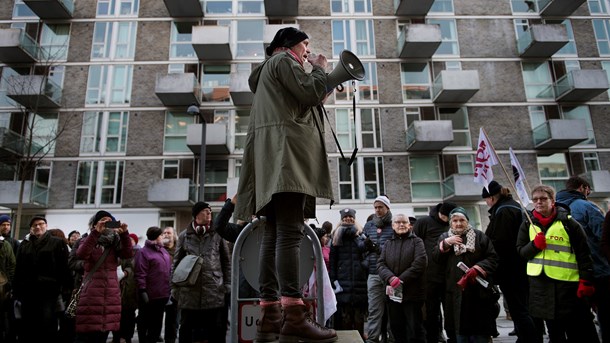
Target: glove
x=394, y=281
x=368, y=244
x=468, y=278
x=143, y=297
x=389, y=290
x=540, y=241
x=585, y=289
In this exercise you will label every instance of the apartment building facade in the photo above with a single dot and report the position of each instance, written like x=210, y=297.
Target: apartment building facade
x=94, y=97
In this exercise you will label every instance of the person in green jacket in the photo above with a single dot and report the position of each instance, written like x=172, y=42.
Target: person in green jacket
x=284, y=170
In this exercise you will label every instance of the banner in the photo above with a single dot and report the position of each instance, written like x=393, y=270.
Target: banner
x=519, y=176
x=485, y=159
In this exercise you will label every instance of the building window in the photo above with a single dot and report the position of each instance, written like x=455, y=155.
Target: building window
x=179, y=169
x=167, y=219
x=459, y=122
x=180, y=45
x=249, y=40
x=242, y=122
x=537, y=80
x=591, y=161
x=114, y=41
x=553, y=170
x=363, y=180
x=117, y=8
x=54, y=39
x=99, y=183
x=368, y=128
x=598, y=6
x=570, y=48
x=42, y=182
x=601, y=27
x=175, y=131
x=449, y=45
x=442, y=6
x=465, y=164
x=44, y=133
x=581, y=112
x=104, y=132
x=232, y=7
x=367, y=89
x=416, y=82
x=353, y=35
x=351, y=6
x=109, y=84
x=216, y=175
x=21, y=10
x=425, y=175
x=524, y=6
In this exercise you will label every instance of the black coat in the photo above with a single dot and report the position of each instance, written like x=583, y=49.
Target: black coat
x=404, y=256
x=346, y=267
x=429, y=229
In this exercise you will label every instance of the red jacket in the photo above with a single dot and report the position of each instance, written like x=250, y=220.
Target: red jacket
x=99, y=307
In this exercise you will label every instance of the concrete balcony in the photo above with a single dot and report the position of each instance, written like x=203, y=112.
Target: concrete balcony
x=181, y=89
x=558, y=8
x=269, y=32
x=429, y=135
x=419, y=40
x=559, y=133
x=412, y=7
x=461, y=187
x=11, y=143
x=51, y=9
x=216, y=139
x=542, y=40
x=34, y=196
x=212, y=43
x=18, y=47
x=581, y=85
x=240, y=90
x=455, y=86
x=184, y=8
x=282, y=8
x=34, y=91
x=600, y=183
x=172, y=193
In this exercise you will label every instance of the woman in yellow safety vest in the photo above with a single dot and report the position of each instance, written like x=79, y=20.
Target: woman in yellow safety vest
x=559, y=268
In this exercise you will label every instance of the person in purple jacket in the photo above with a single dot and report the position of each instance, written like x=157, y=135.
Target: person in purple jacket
x=153, y=269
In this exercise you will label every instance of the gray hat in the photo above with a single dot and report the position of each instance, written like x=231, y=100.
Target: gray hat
x=348, y=212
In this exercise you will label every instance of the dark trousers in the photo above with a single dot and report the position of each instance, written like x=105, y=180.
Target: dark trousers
x=515, y=294
x=42, y=314
x=435, y=296
x=91, y=337
x=601, y=299
x=171, y=322
x=578, y=327
x=150, y=320
x=349, y=317
x=127, y=325
x=201, y=325
x=406, y=321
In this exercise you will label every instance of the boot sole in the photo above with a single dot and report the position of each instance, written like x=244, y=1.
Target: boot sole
x=266, y=337
x=297, y=339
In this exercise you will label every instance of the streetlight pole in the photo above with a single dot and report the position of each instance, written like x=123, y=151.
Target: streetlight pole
x=194, y=110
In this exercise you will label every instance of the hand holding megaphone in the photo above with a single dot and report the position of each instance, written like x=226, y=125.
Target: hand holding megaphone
x=318, y=60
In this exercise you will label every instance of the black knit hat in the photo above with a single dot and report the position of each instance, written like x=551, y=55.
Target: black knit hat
x=492, y=189
x=200, y=206
x=153, y=233
x=286, y=37
x=446, y=208
x=101, y=214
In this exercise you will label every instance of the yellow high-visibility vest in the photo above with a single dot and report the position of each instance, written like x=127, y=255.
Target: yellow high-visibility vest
x=558, y=259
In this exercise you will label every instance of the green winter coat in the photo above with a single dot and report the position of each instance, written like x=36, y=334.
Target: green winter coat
x=285, y=149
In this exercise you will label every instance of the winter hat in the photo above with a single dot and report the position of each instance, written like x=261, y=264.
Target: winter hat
x=4, y=218
x=134, y=237
x=446, y=208
x=153, y=233
x=37, y=217
x=492, y=189
x=101, y=214
x=200, y=206
x=412, y=220
x=348, y=212
x=459, y=211
x=286, y=37
x=383, y=199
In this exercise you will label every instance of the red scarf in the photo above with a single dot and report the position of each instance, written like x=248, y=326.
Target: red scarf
x=545, y=221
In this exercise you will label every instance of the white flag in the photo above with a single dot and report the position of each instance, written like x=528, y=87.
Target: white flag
x=519, y=179
x=485, y=158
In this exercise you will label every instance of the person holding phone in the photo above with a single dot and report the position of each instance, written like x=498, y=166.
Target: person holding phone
x=99, y=307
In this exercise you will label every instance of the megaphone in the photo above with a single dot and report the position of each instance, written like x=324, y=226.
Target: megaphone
x=349, y=68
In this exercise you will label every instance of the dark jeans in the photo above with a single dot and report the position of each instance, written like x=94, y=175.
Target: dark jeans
x=406, y=321
x=127, y=327
x=279, y=252
x=578, y=327
x=150, y=320
x=435, y=296
x=601, y=298
x=91, y=337
x=515, y=294
x=40, y=312
x=201, y=325
x=171, y=322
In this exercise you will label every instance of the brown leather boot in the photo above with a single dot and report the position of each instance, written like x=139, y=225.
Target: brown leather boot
x=298, y=326
x=268, y=328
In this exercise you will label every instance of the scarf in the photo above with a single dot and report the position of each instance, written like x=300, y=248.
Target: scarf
x=470, y=238
x=108, y=238
x=384, y=221
x=545, y=221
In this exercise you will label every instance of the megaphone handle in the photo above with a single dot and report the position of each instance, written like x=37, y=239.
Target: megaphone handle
x=353, y=157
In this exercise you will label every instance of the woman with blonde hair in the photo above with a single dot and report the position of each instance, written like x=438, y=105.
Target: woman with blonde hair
x=347, y=274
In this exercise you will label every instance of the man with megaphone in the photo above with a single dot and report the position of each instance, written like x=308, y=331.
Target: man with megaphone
x=284, y=170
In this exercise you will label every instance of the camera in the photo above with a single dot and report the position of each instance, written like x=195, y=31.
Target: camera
x=113, y=224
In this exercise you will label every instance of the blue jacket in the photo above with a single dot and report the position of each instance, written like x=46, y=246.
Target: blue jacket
x=370, y=231
x=591, y=219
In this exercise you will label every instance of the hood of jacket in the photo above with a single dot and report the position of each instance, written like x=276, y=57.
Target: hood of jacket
x=568, y=196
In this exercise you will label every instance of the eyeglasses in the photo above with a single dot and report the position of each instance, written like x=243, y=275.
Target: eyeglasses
x=543, y=199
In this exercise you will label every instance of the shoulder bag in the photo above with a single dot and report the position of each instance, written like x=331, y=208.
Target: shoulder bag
x=187, y=271
x=71, y=310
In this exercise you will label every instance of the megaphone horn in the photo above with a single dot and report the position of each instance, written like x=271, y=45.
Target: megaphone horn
x=349, y=68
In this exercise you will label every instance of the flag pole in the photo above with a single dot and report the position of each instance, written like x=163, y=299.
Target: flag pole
x=509, y=177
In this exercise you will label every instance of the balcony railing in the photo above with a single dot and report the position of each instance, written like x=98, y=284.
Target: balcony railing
x=172, y=193
x=51, y=9
x=34, y=91
x=542, y=40
x=581, y=85
x=16, y=46
x=559, y=133
x=35, y=195
x=12, y=143
x=461, y=187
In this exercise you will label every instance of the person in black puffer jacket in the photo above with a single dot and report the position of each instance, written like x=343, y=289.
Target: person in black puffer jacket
x=348, y=274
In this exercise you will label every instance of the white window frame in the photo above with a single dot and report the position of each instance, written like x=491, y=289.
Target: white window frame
x=44, y=132
x=178, y=39
x=113, y=80
x=26, y=12
x=181, y=119
x=209, y=184
x=439, y=4
x=436, y=180
x=94, y=186
x=115, y=7
x=591, y=161
x=236, y=8
x=451, y=39
x=598, y=7
x=584, y=115
x=118, y=41
x=345, y=135
x=350, y=41
x=56, y=46
x=548, y=84
x=558, y=182
x=370, y=82
x=349, y=7
x=457, y=131
x=405, y=84
x=601, y=29
x=357, y=182
x=95, y=129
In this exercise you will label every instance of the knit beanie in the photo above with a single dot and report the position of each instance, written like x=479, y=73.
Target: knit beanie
x=384, y=200
x=134, y=237
x=492, y=189
x=101, y=214
x=4, y=218
x=459, y=211
x=446, y=208
x=198, y=207
x=286, y=37
x=348, y=212
x=153, y=233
